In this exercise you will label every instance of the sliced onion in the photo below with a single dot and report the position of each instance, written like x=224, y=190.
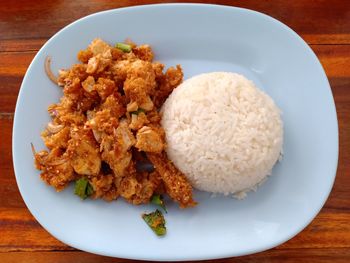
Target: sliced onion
x=48, y=71
x=54, y=128
x=97, y=135
x=53, y=113
x=33, y=149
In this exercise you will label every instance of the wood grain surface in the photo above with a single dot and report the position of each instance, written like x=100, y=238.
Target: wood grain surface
x=26, y=25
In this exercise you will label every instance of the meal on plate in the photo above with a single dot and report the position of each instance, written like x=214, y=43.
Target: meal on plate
x=125, y=128
x=105, y=132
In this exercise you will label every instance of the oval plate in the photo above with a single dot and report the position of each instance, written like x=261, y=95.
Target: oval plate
x=202, y=38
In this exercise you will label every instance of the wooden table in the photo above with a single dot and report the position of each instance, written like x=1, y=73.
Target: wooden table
x=26, y=25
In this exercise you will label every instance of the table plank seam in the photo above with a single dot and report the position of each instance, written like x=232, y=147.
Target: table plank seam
x=7, y=115
x=2, y=51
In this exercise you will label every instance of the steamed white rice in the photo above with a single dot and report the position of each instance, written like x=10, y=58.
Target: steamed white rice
x=222, y=132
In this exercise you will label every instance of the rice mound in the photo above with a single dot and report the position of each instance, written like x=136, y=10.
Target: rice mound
x=222, y=132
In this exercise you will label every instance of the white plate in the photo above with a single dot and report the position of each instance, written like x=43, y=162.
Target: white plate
x=201, y=38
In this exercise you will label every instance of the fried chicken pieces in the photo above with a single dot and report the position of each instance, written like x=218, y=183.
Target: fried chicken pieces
x=107, y=118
